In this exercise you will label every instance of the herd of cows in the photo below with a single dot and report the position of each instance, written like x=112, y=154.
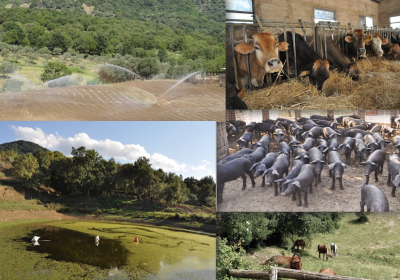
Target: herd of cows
x=266, y=55
x=294, y=262
x=307, y=145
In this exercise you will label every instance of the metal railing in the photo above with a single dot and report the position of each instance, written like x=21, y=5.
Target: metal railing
x=333, y=30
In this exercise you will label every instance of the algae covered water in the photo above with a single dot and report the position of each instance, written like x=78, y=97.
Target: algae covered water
x=68, y=249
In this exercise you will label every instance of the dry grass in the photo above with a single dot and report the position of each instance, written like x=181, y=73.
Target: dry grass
x=377, y=88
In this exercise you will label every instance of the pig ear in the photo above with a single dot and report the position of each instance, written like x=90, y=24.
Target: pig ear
x=344, y=165
x=305, y=156
x=349, y=39
x=275, y=172
x=363, y=163
x=254, y=165
x=297, y=184
x=348, y=146
x=326, y=150
x=386, y=141
x=297, y=157
x=396, y=181
x=244, y=48
x=332, y=165
x=373, y=163
x=340, y=146
x=279, y=180
x=283, y=46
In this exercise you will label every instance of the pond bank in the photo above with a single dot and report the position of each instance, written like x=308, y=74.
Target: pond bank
x=15, y=217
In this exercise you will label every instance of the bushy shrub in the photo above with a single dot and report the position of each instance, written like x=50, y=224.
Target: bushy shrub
x=229, y=257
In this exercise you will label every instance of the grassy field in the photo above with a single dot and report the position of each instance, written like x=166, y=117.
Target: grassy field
x=32, y=71
x=370, y=250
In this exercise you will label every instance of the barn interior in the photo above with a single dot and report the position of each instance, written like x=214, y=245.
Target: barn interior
x=378, y=82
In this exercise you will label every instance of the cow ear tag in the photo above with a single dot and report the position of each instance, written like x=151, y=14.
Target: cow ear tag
x=304, y=73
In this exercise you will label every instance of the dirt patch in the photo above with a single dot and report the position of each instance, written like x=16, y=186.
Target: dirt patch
x=88, y=9
x=8, y=6
x=25, y=5
x=136, y=100
x=262, y=199
x=13, y=215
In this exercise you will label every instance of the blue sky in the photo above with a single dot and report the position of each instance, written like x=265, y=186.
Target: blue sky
x=186, y=148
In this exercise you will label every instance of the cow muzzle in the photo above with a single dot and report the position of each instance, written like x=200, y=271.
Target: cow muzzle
x=361, y=52
x=273, y=65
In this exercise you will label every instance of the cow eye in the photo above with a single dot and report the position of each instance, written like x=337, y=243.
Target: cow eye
x=257, y=48
x=276, y=46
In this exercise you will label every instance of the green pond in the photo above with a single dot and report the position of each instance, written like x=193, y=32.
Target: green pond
x=68, y=250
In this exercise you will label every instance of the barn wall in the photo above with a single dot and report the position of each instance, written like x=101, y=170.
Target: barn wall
x=387, y=9
x=222, y=140
x=292, y=10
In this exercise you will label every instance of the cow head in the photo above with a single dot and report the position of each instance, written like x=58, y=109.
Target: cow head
x=266, y=49
x=295, y=263
x=376, y=43
x=353, y=71
x=319, y=73
x=357, y=39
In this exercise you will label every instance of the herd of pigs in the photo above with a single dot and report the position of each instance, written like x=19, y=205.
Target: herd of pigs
x=305, y=146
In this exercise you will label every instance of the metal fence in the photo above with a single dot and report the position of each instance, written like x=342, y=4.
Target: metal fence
x=374, y=116
x=242, y=31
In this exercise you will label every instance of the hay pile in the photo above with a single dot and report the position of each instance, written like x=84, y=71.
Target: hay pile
x=377, y=88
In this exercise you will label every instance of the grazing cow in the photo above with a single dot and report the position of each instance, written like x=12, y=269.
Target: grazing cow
x=299, y=243
x=263, y=51
x=306, y=60
x=374, y=198
x=335, y=57
x=334, y=249
x=230, y=171
x=293, y=262
x=322, y=249
x=328, y=271
x=233, y=100
x=355, y=44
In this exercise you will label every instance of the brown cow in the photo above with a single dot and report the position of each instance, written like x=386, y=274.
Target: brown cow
x=322, y=249
x=356, y=44
x=335, y=57
x=327, y=270
x=391, y=51
x=299, y=242
x=374, y=44
x=263, y=52
x=293, y=262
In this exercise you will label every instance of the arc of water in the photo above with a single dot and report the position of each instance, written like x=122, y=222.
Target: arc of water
x=188, y=76
x=24, y=79
x=122, y=68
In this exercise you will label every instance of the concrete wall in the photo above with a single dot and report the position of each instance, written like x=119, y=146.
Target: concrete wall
x=292, y=10
x=387, y=9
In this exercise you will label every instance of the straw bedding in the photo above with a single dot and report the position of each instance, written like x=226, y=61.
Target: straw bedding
x=377, y=88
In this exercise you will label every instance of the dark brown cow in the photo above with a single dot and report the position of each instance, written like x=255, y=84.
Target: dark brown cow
x=356, y=44
x=335, y=57
x=263, y=52
x=322, y=249
x=293, y=262
x=299, y=243
x=327, y=270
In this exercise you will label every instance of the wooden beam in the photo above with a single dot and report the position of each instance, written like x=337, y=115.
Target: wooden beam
x=287, y=273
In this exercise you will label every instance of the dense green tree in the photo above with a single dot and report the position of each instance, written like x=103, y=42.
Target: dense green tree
x=54, y=70
x=148, y=67
x=24, y=167
x=7, y=68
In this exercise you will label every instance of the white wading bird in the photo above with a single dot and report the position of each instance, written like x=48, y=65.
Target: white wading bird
x=35, y=238
x=97, y=240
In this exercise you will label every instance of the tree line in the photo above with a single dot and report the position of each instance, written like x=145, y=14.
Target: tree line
x=62, y=31
x=86, y=173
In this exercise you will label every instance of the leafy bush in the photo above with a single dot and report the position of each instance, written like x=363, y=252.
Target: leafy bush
x=229, y=257
x=2, y=175
x=12, y=85
x=362, y=217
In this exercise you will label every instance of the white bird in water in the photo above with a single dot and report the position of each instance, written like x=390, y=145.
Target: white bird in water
x=97, y=240
x=35, y=238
